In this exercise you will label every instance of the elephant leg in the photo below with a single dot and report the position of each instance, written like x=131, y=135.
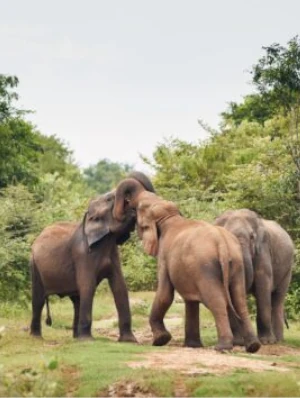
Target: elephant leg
x=120, y=293
x=215, y=301
x=264, y=310
x=243, y=325
x=192, y=327
x=38, y=301
x=278, y=307
x=238, y=338
x=162, y=302
x=86, y=292
x=76, y=305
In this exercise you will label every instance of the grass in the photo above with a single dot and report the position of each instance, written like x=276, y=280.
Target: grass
x=241, y=384
x=58, y=365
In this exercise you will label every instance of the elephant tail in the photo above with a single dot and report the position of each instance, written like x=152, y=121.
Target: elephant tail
x=225, y=262
x=286, y=321
x=48, y=317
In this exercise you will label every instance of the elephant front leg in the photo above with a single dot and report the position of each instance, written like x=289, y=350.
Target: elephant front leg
x=76, y=306
x=162, y=302
x=120, y=293
x=192, y=326
x=85, y=311
x=264, y=311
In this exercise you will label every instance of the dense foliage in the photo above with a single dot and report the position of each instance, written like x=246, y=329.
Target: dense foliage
x=253, y=161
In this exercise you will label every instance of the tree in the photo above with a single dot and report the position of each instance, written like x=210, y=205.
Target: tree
x=105, y=175
x=277, y=74
x=8, y=96
x=254, y=108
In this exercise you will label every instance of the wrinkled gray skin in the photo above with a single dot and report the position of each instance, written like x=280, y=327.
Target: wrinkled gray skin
x=71, y=259
x=268, y=253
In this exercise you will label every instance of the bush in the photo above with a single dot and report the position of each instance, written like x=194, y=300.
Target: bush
x=140, y=270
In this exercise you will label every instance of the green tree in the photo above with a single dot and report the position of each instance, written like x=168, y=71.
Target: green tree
x=8, y=96
x=105, y=175
x=276, y=75
x=26, y=154
x=254, y=108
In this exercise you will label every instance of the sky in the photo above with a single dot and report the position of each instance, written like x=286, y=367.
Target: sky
x=114, y=79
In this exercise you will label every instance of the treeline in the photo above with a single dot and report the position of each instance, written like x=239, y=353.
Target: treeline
x=253, y=161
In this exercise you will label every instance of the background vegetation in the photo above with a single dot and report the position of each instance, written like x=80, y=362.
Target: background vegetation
x=252, y=161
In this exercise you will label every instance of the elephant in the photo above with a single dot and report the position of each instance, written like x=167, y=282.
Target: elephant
x=268, y=253
x=71, y=259
x=202, y=262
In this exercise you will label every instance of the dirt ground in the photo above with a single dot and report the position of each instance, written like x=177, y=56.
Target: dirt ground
x=191, y=361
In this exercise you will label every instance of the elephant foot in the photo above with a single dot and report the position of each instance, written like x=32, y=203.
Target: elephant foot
x=252, y=345
x=267, y=339
x=127, y=338
x=85, y=337
x=238, y=340
x=161, y=338
x=224, y=345
x=193, y=343
x=36, y=335
x=36, y=332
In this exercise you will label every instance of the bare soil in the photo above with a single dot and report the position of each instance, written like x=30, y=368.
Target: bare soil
x=191, y=361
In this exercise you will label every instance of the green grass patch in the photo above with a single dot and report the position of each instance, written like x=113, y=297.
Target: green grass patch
x=58, y=365
x=242, y=384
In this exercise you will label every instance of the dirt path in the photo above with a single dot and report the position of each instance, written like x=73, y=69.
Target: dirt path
x=191, y=361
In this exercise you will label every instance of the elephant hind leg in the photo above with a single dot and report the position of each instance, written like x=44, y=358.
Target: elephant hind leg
x=192, y=325
x=216, y=303
x=38, y=301
x=238, y=338
x=243, y=326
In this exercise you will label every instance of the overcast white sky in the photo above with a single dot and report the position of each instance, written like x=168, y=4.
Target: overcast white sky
x=112, y=78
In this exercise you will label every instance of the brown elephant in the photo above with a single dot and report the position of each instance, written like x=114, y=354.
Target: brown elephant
x=268, y=253
x=201, y=261
x=71, y=259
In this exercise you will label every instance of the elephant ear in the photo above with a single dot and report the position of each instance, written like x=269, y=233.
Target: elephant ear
x=94, y=229
x=150, y=240
x=147, y=229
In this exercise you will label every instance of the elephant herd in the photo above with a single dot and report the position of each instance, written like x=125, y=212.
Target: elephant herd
x=215, y=264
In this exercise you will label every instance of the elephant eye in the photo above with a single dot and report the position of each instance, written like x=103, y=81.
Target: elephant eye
x=97, y=218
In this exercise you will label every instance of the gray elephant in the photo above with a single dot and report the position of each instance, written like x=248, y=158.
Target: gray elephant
x=268, y=253
x=71, y=259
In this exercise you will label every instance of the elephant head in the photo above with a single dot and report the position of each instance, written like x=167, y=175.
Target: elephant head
x=99, y=220
x=151, y=211
x=248, y=227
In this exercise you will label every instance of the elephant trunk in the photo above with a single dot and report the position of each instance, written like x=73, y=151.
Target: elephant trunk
x=126, y=195
x=143, y=179
x=225, y=263
x=248, y=267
